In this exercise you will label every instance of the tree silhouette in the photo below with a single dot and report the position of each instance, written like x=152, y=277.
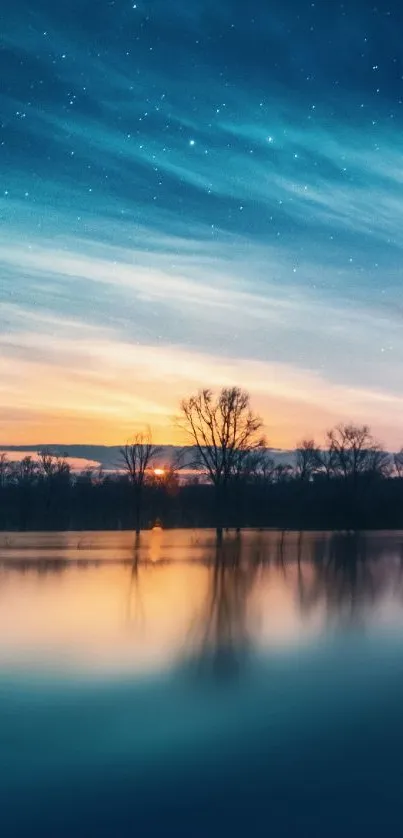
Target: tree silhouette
x=225, y=431
x=356, y=459
x=308, y=459
x=51, y=464
x=398, y=463
x=4, y=468
x=137, y=457
x=355, y=452
x=54, y=476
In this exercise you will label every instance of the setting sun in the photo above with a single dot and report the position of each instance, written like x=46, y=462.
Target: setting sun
x=159, y=472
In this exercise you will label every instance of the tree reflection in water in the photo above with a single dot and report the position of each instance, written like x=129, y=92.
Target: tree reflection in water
x=135, y=603
x=221, y=639
x=342, y=576
x=305, y=580
x=347, y=578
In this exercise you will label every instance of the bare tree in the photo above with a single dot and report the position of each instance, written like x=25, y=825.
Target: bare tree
x=54, y=473
x=398, y=463
x=47, y=462
x=52, y=464
x=354, y=451
x=282, y=473
x=25, y=470
x=257, y=467
x=24, y=475
x=224, y=431
x=4, y=468
x=328, y=462
x=266, y=470
x=138, y=456
x=308, y=460
x=380, y=463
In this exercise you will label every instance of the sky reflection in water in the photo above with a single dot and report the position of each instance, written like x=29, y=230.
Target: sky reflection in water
x=183, y=695
x=96, y=603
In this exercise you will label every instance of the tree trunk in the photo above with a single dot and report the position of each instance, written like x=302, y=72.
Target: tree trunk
x=219, y=511
x=219, y=534
x=138, y=510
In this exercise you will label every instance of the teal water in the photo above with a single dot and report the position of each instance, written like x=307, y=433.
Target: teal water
x=172, y=689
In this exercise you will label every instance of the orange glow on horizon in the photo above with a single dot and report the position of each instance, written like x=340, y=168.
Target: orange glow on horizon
x=102, y=393
x=106, y=635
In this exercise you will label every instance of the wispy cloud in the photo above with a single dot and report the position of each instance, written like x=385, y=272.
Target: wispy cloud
x=233, y=214
x=82, y=379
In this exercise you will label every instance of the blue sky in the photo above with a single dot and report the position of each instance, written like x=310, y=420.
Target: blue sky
x=200, y=194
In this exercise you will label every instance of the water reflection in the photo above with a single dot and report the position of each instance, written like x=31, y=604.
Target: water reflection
x=223, y=628
x=346, y=579
x=249, y=742
x=352, y=574
x=171, y=596
x=135, y=600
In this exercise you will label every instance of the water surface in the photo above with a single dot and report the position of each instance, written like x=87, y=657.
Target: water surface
x=167, y=686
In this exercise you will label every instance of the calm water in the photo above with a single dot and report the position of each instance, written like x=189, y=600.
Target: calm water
x=170, y=688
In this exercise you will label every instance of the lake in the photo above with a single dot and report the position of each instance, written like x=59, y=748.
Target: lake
x=172, y=687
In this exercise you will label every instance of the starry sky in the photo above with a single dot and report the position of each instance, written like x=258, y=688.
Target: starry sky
x=200, y=194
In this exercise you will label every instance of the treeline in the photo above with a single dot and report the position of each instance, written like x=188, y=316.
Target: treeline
x=344, y=486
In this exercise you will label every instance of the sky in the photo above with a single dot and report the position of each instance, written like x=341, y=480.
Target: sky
x=200, y=194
